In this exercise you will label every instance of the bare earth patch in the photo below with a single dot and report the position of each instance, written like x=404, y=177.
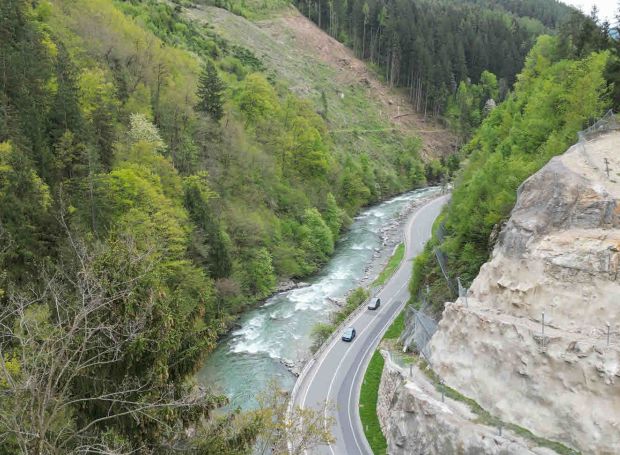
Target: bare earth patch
x=362, y=109
x=395, y=107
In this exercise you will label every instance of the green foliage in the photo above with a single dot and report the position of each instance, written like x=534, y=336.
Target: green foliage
x=333, y=215
x=354, y=300
x=391, y=266
x=25, y=203
x=553, y=99
x=466, y=109
x=317, y=238
x=322, y=331
x=257, y=99
x=320, y=334
x=396, y=328
x=210, y=88
x=369, y=395
x=211, y=241
x=251, y=9
x=258, y=277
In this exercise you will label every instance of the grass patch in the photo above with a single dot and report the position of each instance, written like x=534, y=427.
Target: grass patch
x=391, y=266
x=370, y=391
x=368, y=405
x=396, y=328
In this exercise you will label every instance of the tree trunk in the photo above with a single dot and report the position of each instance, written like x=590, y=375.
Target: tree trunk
x=364, y=40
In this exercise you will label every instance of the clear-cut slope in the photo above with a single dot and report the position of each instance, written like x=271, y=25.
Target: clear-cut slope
x=559, y=254
x=362, y=111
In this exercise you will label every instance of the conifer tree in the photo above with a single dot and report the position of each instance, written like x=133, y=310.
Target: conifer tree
x=210, y=88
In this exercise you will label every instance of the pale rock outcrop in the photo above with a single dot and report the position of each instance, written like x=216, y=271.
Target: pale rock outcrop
x=416, y=421
x=559, y=254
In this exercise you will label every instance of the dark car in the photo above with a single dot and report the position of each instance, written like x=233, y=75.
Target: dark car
x=374, y=304
x=348, y=334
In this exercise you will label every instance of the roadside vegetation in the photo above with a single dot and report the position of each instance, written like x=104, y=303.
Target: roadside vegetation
x=322, y=331
x=391, y=266
x=369, y=393
x=368, y=405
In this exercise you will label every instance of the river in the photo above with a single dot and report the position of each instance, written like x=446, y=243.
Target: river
x=249, y=357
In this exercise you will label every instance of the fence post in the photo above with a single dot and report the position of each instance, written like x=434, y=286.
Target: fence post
x=462, y=291
x=607, y=167
x=608, y=333
x=443, y=390
x=542, y=340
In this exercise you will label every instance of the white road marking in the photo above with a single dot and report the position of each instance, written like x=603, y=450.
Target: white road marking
x=326, y=353
x=371, y=346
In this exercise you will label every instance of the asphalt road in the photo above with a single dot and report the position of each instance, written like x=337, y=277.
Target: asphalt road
x=337, y=374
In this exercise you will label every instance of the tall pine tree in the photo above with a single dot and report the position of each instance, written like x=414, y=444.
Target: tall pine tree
x=210, y=89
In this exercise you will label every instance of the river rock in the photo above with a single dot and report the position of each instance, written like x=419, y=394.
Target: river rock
x=336, y=301
x=289, y=285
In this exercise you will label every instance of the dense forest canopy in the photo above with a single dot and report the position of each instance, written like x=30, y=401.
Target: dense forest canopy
x=552, y=13
x=155, y=180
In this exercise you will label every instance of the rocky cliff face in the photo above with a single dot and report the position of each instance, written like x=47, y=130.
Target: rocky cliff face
x=416, y=420
x=559, y=254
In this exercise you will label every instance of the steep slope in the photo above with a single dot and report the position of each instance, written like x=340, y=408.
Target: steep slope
x=363, y=114
x=429, y=47
x=557, y=258
x=553, y=99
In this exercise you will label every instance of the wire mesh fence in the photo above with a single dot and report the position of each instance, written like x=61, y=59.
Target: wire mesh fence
x=419, y=332
x=442, y=259
x=603, y=125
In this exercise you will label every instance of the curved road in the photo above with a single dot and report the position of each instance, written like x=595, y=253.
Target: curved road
x=337, y=374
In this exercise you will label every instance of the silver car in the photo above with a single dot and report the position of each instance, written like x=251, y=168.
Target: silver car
x=374, y=303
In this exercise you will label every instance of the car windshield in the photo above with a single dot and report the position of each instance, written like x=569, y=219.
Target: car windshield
x=348, y=331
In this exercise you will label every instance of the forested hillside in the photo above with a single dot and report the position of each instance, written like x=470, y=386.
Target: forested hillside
x=566, y=84
x=429, y=47
x=154, y=181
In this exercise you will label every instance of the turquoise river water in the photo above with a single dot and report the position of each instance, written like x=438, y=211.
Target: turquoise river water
x=280, y=329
